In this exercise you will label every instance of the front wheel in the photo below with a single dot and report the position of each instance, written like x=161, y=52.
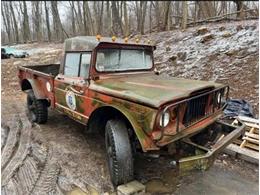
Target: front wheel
x=38, y=109
x=119, y=153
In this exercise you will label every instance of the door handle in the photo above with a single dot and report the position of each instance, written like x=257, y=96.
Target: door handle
x=60, y=78
x=74, y=90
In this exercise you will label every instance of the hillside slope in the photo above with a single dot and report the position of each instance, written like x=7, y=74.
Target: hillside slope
x=224, y=52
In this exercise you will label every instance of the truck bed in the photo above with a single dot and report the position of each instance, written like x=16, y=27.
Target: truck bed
x=43, y=70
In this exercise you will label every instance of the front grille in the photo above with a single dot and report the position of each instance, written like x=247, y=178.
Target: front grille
x=195, y=110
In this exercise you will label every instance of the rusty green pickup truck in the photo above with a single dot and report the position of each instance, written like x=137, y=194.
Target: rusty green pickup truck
x=111, y=86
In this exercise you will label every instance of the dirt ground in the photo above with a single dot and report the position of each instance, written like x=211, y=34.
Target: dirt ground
x=58, y=158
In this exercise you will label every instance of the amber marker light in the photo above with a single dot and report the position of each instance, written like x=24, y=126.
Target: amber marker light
x=113, y=38
x=98, y=37
x=126, y=40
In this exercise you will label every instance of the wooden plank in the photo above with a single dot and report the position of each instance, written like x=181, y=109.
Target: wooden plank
x=251, y=140
x=252, y=146
x=252, y=125
x=237, y=141
x=243, y=153
x=252, y=135
x=244, y=140
x=248, y=119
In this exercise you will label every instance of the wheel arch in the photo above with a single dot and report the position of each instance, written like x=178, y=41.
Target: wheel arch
x=99, y=117
x=33, y=84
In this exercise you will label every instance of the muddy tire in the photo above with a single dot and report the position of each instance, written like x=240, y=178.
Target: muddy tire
x=119, y=153
x=38, y=109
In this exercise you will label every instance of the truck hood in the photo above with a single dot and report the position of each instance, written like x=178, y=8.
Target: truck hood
x=149, y=89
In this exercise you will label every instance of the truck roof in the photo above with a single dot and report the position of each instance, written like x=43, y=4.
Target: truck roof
x=89, y=43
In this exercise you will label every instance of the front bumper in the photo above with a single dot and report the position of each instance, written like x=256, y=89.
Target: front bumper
x=205, y=156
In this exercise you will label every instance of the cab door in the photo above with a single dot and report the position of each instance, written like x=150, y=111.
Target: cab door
x=71, y=87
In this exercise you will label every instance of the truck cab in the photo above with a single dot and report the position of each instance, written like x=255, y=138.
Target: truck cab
x=111, y=86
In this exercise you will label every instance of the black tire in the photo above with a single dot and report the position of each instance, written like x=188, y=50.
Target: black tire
x=38, y=109
x=119, y=153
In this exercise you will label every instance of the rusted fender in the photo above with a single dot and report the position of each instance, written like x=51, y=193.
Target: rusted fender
x=37, y=88
x=145, y=141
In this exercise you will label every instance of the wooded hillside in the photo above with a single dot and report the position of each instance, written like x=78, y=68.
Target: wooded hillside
x=28, y=21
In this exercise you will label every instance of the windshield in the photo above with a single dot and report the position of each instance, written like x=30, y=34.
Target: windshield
x=123, y=59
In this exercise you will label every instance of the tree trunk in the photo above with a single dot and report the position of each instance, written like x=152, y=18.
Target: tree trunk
x=26, y=27
x=184, y=15
x=88, y=23
x=150, y=18
x=126, y=26
x=47, y=21
x=117, y=24
x=6, y=20
x=80, y=23
x=15, y=23
x=73, y=25
x=143, y=16
x=166, y=8
x=240, y=7
x=58, y=29
x=37, y=21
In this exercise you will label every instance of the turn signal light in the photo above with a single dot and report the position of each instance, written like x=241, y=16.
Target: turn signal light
x=113, y=38
x=98, y=37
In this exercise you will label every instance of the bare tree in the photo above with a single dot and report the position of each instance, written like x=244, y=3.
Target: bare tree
x=126, y=22
x=58, y=29
x=47, y=21
x=6, y=20
x=37, y=19
x=73, y=24
x=184, y=15
x=88, y=23
x=26, y=27
x=108, y=20
x=240, y=7
x=166, y=19
x=14, y=23
x=79, y=17
x=117, y=24
x=140, y=14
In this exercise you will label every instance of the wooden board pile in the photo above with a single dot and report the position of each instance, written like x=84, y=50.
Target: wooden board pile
x=246, y=147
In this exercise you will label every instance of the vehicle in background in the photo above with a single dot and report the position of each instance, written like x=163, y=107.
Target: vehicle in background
x=15, y=53
x=4, y=55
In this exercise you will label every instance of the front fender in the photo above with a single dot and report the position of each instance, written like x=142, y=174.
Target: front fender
x=145, y=141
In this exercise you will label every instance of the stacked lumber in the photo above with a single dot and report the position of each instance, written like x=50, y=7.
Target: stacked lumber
x=251, y=138
x=246, y=147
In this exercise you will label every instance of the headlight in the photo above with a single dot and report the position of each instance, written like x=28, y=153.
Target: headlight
x=219, y=98
x=165, y=119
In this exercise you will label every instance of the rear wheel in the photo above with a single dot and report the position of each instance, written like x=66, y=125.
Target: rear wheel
x=119, y=153
x=38, y=109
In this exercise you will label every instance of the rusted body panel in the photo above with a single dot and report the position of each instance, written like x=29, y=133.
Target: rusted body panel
x=150, y=89
x=38, y=81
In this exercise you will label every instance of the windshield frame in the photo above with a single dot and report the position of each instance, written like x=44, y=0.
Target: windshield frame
x=124, y=47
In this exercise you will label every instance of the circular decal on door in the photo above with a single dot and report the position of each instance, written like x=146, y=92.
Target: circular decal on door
x=71, y=100
x=48, y=86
